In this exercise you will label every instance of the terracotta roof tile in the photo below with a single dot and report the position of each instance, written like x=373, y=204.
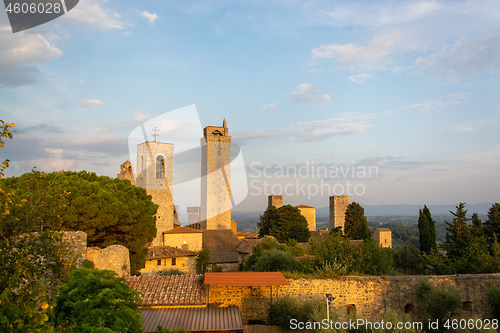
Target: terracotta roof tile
x=161, y=252
x=247, y=246
x=222, y=245
x=304, y=206
x=170, y=290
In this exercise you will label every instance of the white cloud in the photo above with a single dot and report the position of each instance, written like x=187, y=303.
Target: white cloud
x=451, y=99
x=139, y=118
x=322, y=130
x=149, y=16
x=91, y=102
x=373, y=53
x=465, y=57
x=307, y=87
x=269, y=106
x=301, y=96
x=91, y=13
x=464, y=128
x=19, y=51
x=360, y=78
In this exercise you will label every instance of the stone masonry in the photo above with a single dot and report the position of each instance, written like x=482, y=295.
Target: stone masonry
x=338, y=206
x=215, y=210
x=275, y=200
x=158, y=180
x=113, y=257
x=369, y=296
x=383, y=237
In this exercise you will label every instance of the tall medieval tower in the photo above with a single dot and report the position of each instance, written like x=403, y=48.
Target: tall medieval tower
x=215, y=210
x=338, y=207
x=155, y=173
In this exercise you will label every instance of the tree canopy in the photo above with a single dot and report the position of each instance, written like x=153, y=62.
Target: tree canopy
x=427, y=231
x=492, y=224
x=97, y=301
x=458, y=234
x=111, y=211
x=284, y=223
x=356, y=225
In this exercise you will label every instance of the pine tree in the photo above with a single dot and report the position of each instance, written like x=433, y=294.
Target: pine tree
x=356, y=225
x=492, y=224
x=284, y=223
x=477, y=227
x=458, y=234
x=427, y=231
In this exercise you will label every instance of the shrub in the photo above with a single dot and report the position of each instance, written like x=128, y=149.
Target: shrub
x=439, y=303
x=494, y=301
x=274, y=261
x=217, y=268
x=87, y=264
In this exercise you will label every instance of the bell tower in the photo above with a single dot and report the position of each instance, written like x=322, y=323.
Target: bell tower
x=155, y=173
x=215, y=210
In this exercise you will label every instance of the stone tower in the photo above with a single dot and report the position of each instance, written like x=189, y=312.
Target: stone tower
x=215, y=209
x=127, y=172
x=155, y=173
x=338, y=206
x=275, y=200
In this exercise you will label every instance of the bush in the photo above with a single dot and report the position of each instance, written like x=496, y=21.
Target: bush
x=494, y=301
x=274, y=261
x=169, y=272
x=87, y=264
x=160, y=329
x=439, y=303
x=98, y=301
x=284, y=310
x=217, y=268
x=407, y=257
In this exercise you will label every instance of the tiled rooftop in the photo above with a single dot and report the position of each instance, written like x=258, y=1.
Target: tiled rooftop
x=161, y=252
x=170, y=290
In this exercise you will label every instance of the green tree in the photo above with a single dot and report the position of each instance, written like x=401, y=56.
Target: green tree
x=33, y=262
x=492, y=224
x=477, y=229
x=97, y=301
x=274, y=261
x=284, y=223
x=356, y=225
x=407, y=257
x=202, y=261
x=427, y=231
x=458, y=234
x=109, y=210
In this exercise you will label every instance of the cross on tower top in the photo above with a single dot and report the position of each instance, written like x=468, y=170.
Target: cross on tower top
x=154, y=133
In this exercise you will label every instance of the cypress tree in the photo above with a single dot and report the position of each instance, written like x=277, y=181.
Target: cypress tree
x=427, y=231
x=492, y=224
x=356, y=225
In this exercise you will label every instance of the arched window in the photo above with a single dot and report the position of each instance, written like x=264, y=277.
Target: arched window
x=184, y=247
x=159, y=167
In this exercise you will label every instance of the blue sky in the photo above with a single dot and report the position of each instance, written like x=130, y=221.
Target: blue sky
x=408, y=87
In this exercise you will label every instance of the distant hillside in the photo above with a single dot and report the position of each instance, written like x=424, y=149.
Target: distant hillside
x=412, y=210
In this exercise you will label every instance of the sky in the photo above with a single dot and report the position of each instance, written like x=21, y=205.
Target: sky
x=394, y=102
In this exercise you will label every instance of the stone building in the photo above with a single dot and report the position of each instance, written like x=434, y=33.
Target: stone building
x=127, y=172
x=383, y=237
x=164, y=258
x=338, y=207
x=184, y=238
x=155, y=173
x=193, y=214
x=275, y=200
x=215, y=210
x=310, y=215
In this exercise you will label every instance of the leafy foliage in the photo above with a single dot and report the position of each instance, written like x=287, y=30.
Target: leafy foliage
x=494, y=301
x=169, y=272
x=289, y=307
x=98, y=301
x=111, y=211
x=284, y=223
x=407, y=257
x=427, y=231
x=4, y=133
x=439, y=303
x=160, y=329
x=202, y=261
x=274, y=261
x=356, y=225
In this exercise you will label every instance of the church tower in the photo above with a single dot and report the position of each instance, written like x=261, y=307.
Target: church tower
x=215, y=210
x=155, y=173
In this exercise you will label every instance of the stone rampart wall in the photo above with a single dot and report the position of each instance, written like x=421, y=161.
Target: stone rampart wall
x=114, y=257
x=371, y=296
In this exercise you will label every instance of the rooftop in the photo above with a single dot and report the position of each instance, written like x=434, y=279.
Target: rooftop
x=246, y=279
x=169, y=290
x=162, y=252
x=222, y=245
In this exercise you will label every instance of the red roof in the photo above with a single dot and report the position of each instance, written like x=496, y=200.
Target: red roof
x=246, y=279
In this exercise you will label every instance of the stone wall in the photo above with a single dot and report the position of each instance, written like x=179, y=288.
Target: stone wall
x=310, y=214
x=183, y=264
x=193, y=240
x=114, y=257
x=77, y=241
x=383, y=237
x=371, y=296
